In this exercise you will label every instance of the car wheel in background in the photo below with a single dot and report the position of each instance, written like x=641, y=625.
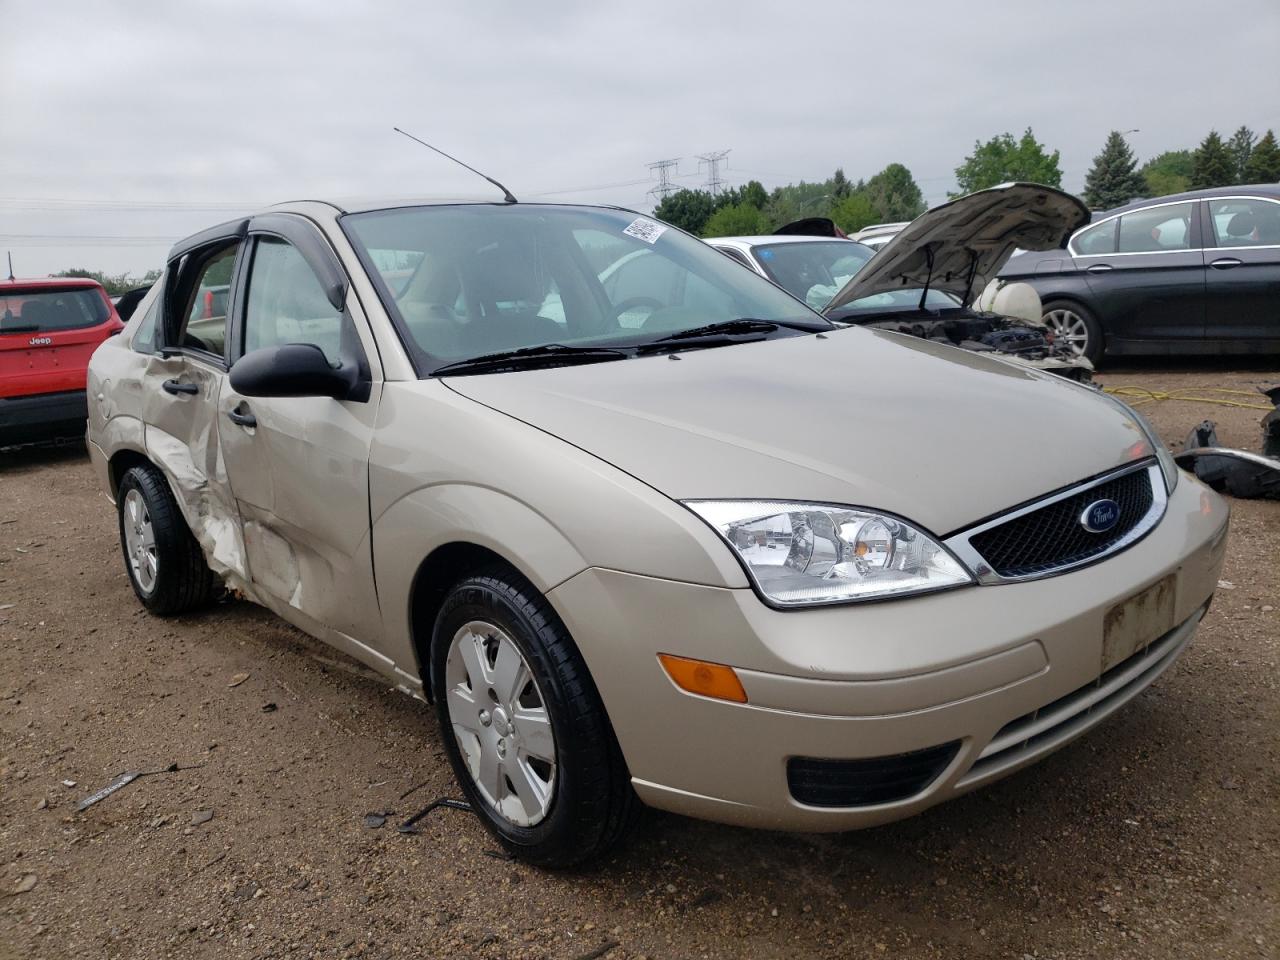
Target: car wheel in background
x=164, y=561
x=523, y=724
x=1074, y=325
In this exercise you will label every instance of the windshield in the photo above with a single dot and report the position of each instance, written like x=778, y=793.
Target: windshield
x=42, y=310
x=904, y=300
x=814, y=270
x=466, y=281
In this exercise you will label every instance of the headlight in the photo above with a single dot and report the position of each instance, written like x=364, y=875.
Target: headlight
x=800, y=554
x=1167, y=464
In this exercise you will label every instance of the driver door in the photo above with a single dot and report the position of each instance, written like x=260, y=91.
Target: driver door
x=299, y=466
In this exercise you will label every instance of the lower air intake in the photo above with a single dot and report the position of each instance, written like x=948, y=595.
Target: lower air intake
x=868, y=781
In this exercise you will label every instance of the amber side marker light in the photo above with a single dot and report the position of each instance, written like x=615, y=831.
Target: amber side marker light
x=705, y=679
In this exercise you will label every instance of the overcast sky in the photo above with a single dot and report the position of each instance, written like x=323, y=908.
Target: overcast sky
x=127, y=125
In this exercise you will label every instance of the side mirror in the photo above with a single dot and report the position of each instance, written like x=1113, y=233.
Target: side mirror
x=292, y=370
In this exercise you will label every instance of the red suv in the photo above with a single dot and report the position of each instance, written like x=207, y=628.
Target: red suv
x=48, y=331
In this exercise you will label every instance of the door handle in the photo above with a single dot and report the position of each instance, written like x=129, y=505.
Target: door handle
x=1225, y=263
x=245, y=419
x=1099, y=268
x=177, y=386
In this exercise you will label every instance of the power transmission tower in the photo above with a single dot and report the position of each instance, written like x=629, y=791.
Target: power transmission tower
x=664, y=184
x=714, y=183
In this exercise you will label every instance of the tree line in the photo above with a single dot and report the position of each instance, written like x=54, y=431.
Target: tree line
x=892, y=195
x=114, y=283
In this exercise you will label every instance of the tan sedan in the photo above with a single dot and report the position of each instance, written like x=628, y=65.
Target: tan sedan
x=640, y=524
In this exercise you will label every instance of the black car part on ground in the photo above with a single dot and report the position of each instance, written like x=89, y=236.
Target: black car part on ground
x=1239, y=473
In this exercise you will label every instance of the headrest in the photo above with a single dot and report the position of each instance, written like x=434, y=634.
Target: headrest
x=1242, y=224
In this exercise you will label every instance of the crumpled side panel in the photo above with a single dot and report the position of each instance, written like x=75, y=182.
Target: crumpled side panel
x=206, y=506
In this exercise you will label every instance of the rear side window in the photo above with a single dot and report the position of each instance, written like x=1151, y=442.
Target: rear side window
x=1245, y=223
x=1156, y=230
x=37, y=310
x=287, y=304
x=1099, y=239
x=147, y=339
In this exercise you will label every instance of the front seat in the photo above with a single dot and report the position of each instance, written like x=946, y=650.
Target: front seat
x=508, y=289
x=1240, y=229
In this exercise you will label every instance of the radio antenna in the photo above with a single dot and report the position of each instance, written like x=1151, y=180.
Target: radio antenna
x=507, y=194
x=10, y=264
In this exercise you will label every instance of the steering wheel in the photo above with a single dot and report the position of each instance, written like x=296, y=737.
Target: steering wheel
x=637, y=303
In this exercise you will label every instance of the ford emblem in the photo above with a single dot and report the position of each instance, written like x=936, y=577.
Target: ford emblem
x=1100, y=516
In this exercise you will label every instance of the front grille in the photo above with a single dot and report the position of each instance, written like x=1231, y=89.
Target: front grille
x=871, y=780
x=1053, y=536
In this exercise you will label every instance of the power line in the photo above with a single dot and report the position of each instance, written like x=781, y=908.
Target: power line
x=713, y=161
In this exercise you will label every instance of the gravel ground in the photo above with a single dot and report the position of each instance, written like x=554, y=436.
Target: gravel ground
x=1157, y=835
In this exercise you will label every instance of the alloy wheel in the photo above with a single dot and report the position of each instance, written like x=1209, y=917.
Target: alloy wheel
x=501, y=723
x=140, y=541
x=1070, y=328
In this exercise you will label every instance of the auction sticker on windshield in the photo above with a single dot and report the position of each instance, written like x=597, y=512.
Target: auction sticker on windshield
x=642, y=228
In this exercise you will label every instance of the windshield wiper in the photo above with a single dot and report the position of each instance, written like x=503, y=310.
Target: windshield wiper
x=21, y=328
x=530, y=356
x=741, y=325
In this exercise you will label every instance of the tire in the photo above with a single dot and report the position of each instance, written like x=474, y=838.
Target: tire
x=164, y=562
x=562, y=813
x=1070, y=319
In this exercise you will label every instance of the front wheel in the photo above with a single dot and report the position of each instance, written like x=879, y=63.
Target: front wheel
x=523, y=724
x=1075, y=326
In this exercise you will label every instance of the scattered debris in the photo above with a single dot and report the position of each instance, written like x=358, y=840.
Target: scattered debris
x=300, y=884
x=123, y=780
x=238, y=679
x=375, y=821
x=218, y=859
x=26, y=884
x=269, y=708
x=7, y=606
x=201, y=816
x=505, y=855
x=598, y=952
x=1226, y=585
x=42, y=803
x=409, y=826
x=1236, y=472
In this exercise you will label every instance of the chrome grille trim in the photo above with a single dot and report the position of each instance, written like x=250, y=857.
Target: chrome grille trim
x=960, y=545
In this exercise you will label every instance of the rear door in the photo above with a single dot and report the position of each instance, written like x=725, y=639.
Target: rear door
x=47, y=335
x=1146, y=274
x=180, y=386
x=1243, y=276
x=299, y=466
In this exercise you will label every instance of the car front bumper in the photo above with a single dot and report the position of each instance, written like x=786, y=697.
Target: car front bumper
x=43, y=416
x=1001, y=675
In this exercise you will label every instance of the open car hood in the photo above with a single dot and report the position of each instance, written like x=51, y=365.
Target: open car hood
x=969, y=240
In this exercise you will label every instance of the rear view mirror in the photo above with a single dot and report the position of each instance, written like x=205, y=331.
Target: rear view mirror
x=292, y=370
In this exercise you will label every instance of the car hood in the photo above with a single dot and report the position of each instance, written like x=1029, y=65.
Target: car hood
x=969, y=239
x=938, y=435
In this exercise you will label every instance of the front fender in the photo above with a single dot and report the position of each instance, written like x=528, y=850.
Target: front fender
x=418, y=523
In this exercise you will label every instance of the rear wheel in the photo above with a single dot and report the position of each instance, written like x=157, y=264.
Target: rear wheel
x=523, y=724
x=165, y=563
x=1075, y=326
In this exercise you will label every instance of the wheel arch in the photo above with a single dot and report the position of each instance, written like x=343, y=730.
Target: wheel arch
x=121, y=462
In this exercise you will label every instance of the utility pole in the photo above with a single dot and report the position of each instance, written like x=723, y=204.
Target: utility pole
x=664, y=184
x=713, y=160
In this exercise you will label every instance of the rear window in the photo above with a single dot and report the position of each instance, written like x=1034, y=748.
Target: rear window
x=39, y=310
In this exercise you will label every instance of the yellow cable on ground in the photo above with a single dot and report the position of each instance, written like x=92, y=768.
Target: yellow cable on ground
x=1142, y=395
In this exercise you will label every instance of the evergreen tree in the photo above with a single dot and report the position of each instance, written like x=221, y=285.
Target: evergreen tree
x=1241, y=145
x=840, y=186
x=1212, y=165
x=1264, y=161
x=1114, y=179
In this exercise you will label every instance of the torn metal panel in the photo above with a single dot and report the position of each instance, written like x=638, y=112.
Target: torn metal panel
x=1237, y=472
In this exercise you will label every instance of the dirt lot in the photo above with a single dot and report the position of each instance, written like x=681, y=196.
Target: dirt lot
x=1157, y=835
